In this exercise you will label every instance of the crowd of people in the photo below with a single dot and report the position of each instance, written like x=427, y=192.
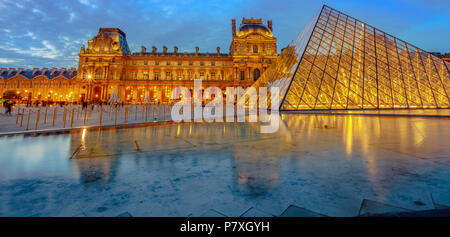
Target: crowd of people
x=10, y=104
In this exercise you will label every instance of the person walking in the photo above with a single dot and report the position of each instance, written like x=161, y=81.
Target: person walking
x=8, y=108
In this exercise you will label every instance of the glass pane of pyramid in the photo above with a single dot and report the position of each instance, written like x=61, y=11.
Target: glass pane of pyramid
x=338, y=62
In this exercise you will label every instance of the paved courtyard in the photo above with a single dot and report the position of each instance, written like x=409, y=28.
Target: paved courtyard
x=315, y=165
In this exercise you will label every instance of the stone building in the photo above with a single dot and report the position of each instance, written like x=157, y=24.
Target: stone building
x=108, y=66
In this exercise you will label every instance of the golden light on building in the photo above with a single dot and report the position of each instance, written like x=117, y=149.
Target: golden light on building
x=338, y=62
x=107, y=66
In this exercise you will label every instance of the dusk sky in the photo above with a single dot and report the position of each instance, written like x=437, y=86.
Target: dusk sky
x=47, y=33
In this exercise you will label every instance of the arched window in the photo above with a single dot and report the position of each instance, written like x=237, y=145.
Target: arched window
x=112, y=75
x=98, y=74
x=256, y=74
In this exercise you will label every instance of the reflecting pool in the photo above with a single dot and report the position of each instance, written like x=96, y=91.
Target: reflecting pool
x=324, y=163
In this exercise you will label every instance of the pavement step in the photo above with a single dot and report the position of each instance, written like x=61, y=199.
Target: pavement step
x=254, y=212
x=369, y=207
x=295, y=211
x=213, y=213
x=125, y=214
x=440, y=201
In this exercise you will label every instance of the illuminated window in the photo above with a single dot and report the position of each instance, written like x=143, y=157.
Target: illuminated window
x=179, y=63
x=213, y=75
x=133, y=75
x=156, y=62
x=168, y=62
x=202, y=63
x=98, y=74
x=242, y=75
x=255, y=48
x=134, y=62
x=190, y=63
x=156, y=76
x=256, y=74
x=213, y=63
x=145, y=75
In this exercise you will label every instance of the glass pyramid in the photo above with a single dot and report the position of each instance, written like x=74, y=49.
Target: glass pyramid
x=339, y=62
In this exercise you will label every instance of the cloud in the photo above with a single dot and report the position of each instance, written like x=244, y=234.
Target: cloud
x=88, y=3
x=48, y=51
x=72, y=16
x=10, y=60
x=50, y=33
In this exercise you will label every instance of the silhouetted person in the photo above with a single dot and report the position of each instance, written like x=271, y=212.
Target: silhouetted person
x=8, y=108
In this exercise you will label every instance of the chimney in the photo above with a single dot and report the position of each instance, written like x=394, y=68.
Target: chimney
x=269, y=24
x=72, y=70
x=175, y=49
x=143, y=49
x=218, y=51
x=20, y=70
x=63, y=70
x=196, y=50
x=153, y=49
x=35, y=70
x=164, y=49
x=44, y=70
x=233, y=27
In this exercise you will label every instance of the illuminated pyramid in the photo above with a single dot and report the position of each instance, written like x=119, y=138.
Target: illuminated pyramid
x=338, y=62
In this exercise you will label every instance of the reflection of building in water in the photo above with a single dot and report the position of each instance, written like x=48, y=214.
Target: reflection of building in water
x=343, y=63
x=107, y=65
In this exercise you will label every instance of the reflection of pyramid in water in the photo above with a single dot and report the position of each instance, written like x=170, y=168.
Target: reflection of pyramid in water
x=338, y=62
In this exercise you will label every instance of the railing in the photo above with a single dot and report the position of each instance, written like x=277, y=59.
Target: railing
x=37, y=118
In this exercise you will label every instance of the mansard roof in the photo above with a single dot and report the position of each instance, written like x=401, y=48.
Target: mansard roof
x=52, y=73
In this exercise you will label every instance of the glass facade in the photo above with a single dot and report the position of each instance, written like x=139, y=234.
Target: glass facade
x=347, y=64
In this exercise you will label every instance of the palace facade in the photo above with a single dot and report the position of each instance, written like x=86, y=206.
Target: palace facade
x=107, y=66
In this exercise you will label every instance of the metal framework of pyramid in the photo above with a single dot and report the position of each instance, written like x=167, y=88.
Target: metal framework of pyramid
x=339, y=62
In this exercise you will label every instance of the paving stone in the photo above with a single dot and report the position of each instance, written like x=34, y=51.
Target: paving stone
x=369, y=207
x=440, y=200
x=213, y=213
x=294, y=211
x=254, y=212
x=125, y=214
